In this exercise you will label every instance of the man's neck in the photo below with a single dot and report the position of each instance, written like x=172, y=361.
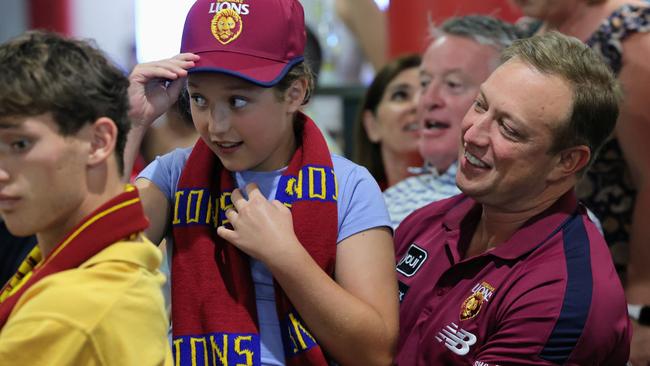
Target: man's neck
x=440, y=167
x=496, y=226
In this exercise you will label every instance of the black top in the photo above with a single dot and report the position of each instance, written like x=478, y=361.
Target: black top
x=12, y=252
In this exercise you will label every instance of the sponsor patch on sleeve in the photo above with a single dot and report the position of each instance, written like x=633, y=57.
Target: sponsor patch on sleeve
x=412, y=261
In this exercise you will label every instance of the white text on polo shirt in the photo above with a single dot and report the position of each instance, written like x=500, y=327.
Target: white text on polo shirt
x=458, y=340
x=485, y=288
x=236, y=5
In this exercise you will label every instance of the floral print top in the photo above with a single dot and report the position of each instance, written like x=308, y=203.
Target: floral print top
x=607, y=187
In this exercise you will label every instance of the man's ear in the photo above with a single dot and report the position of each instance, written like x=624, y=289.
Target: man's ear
x=571, y=161
x=370, y=124
x=103, y=139
x=295, y=94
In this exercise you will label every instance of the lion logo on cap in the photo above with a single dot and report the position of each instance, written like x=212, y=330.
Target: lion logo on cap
x=226, y=26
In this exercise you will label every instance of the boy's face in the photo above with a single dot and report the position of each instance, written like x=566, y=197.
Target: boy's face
x=41, y=175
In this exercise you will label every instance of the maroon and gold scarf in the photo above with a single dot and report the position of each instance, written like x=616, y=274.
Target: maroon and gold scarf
x=121, y=217
x=213, y=302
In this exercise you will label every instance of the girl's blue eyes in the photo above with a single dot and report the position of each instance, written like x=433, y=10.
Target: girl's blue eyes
x=235, y=102
x=238, y=102
x=198, y=100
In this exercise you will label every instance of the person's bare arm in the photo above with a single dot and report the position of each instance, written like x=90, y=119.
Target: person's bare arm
x=355, y=318
x=156, y=208
x=154, y=87
x=369, y=25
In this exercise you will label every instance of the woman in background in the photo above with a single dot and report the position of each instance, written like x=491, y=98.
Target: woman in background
x=386, y=136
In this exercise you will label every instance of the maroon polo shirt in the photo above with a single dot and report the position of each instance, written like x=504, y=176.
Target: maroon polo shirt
x=549, y=295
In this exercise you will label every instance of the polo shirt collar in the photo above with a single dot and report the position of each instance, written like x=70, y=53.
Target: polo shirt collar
x=139, y=253
x=466, y=213
x=532, y=234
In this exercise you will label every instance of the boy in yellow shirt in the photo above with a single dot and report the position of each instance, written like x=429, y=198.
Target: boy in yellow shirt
x=89, y=293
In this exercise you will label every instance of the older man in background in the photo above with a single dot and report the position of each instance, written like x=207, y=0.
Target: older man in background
x=463, y=53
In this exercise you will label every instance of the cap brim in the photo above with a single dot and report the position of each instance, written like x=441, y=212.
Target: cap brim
x=260, y=71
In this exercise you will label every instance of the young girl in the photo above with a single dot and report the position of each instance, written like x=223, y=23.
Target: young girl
x=281, y=251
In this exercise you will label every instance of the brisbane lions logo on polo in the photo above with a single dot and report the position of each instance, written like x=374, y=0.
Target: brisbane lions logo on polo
x=227, y=24
x=481, y=293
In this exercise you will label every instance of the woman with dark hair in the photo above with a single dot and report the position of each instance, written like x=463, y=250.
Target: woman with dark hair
x=386, y=136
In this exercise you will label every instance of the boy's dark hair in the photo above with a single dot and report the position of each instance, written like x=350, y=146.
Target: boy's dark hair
x=43, y=72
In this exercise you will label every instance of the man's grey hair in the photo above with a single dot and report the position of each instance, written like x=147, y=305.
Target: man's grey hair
x=481, y=28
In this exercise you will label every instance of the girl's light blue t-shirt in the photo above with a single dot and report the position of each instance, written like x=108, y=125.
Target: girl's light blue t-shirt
x=360, y=207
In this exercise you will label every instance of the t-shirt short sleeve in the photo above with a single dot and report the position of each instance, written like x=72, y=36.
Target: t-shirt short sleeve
x=165, y=171
x=361, y=205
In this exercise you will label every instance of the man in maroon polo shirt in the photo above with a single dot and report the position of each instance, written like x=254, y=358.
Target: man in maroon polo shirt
x=512, y=271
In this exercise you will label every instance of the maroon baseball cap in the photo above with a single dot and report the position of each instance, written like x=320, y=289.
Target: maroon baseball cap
x=257, y=40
